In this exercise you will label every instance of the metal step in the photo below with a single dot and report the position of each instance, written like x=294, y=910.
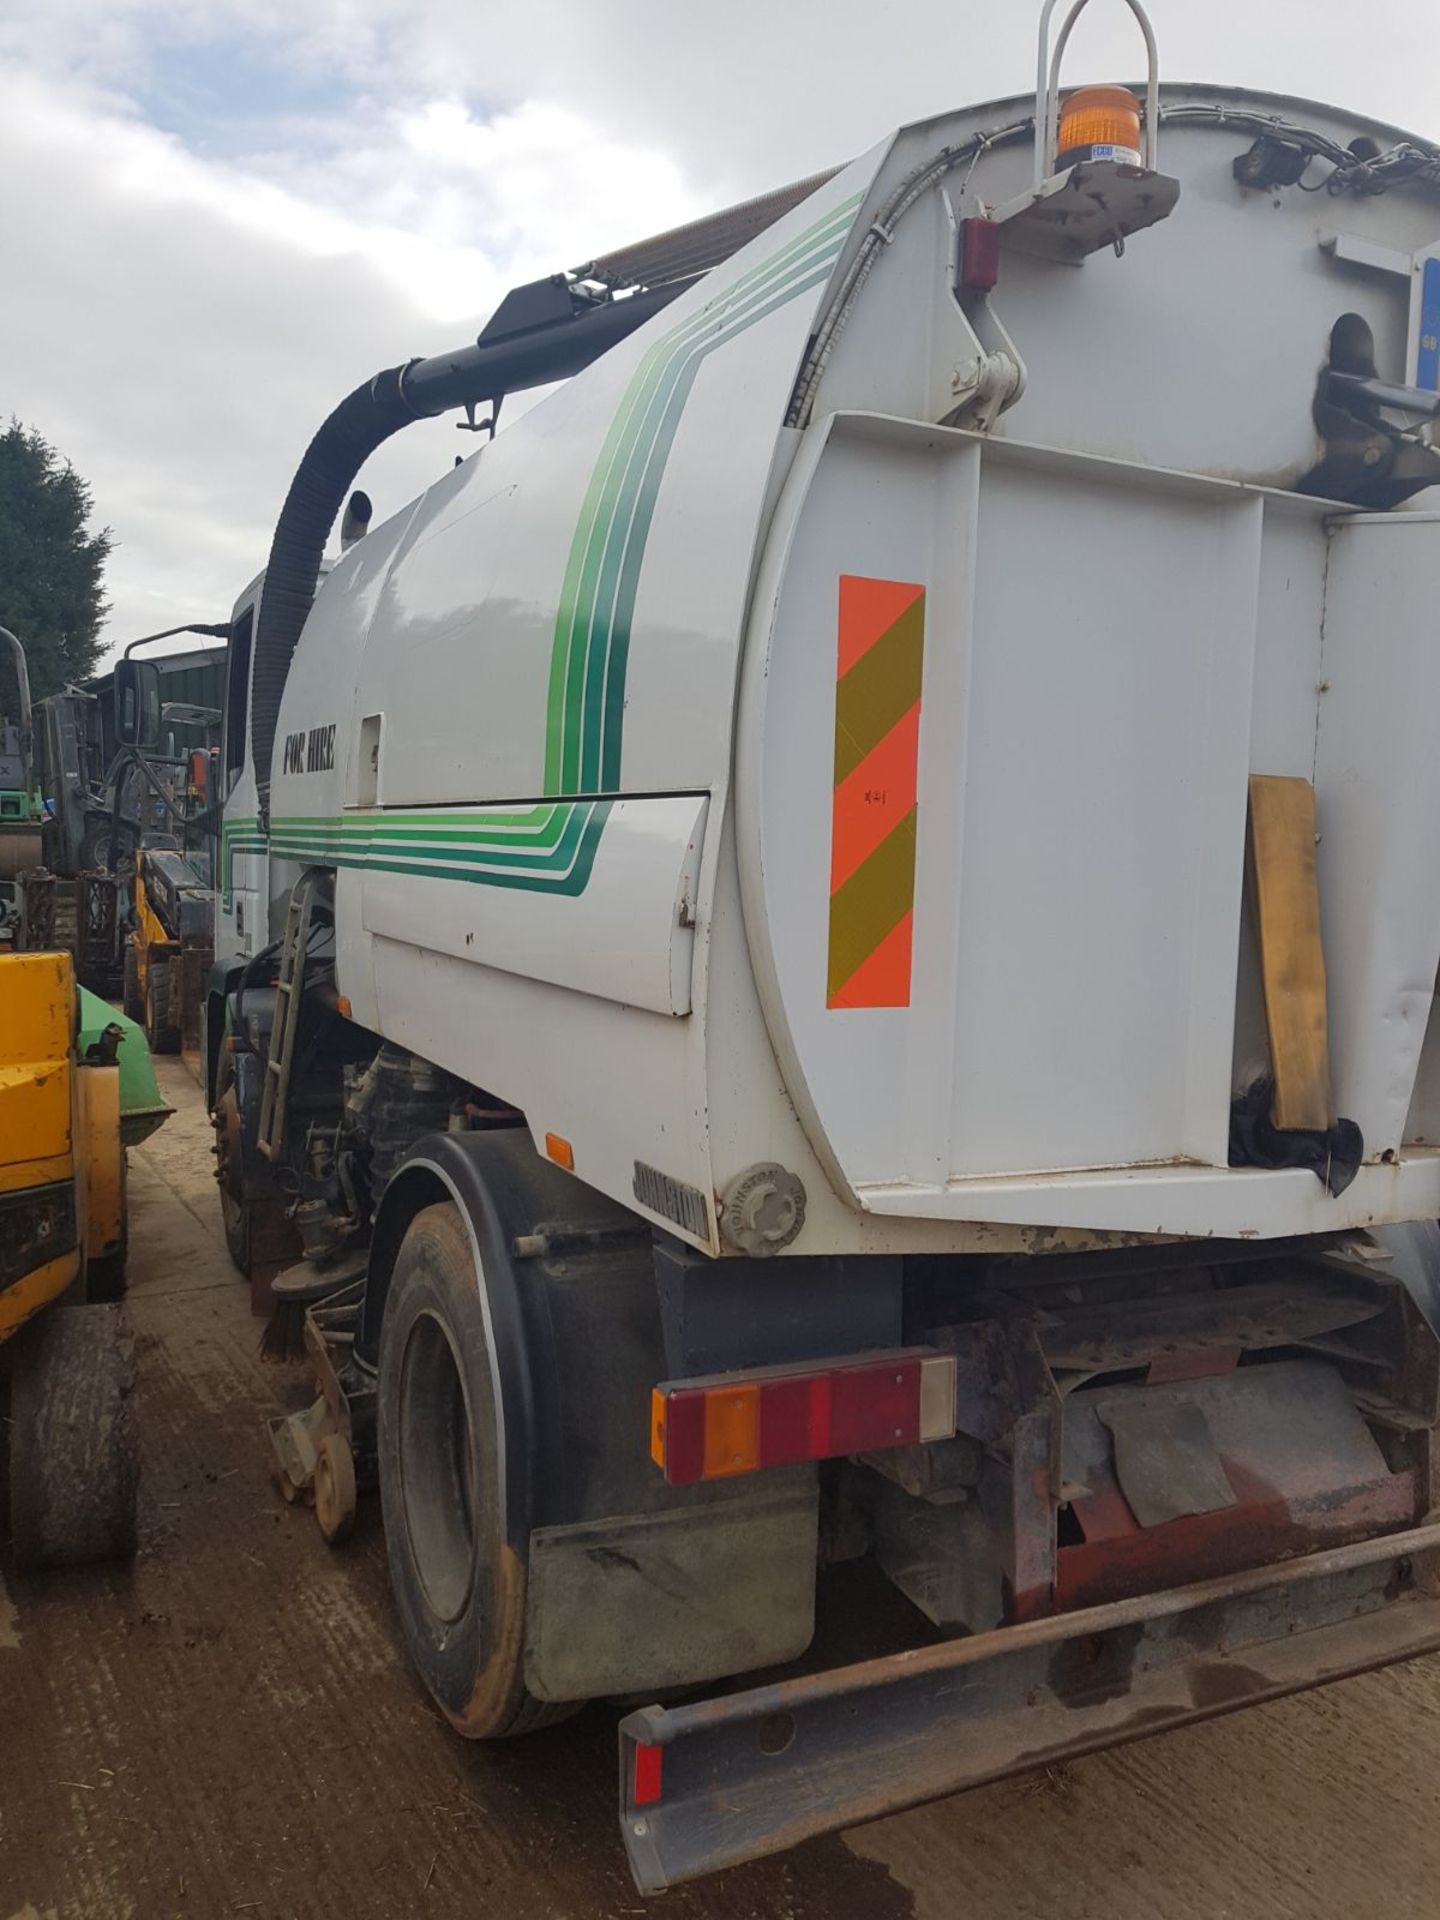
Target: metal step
x=275, y=1090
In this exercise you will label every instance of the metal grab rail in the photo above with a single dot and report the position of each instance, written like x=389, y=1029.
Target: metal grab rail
x=1047, y=87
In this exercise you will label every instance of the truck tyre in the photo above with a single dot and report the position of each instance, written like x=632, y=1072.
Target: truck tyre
x=74, y=1464
x=105, y=1278
x=459, y=1586
x=230, y=1167
x=235, y=1218
x=163, y=1035
x=259, y=1233
x=132, y=999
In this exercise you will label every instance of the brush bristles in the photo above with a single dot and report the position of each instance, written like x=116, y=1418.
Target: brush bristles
x=284, y=1335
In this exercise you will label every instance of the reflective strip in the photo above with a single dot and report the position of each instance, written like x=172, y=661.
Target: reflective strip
x=879, y=669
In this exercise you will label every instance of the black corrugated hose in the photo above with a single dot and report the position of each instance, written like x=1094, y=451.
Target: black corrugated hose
x=363, y=421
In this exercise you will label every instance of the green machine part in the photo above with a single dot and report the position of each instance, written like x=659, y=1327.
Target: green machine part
x=142, y=1105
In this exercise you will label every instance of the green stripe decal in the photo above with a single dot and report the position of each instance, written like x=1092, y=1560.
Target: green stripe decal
x=564, y=868
x=590, y=650
x=550, y=847
x=240, y=835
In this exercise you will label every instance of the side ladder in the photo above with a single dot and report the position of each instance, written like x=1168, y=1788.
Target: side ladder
x=275, y=1094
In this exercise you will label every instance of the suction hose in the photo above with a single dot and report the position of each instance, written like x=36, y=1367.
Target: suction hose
x=363, y=421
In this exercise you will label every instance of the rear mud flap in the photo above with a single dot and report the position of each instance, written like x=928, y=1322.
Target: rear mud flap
x=673, y=1598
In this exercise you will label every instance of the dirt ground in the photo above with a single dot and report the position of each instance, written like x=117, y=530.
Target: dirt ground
x=228, y=1727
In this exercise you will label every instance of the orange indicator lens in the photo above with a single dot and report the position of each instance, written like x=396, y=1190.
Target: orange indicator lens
x=732, y=1431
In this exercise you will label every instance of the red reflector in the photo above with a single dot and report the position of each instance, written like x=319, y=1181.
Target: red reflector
x=682, y=1437
x=979, y=254
x=877, y=1408
x=794, y=1419
x=645, y=1789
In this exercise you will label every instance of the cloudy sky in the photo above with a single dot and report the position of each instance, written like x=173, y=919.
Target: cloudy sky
x=218, y=216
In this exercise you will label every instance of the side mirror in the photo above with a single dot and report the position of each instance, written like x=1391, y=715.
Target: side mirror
x=137, y=703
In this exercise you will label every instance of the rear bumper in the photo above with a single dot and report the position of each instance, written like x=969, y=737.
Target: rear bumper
x=753, y=1773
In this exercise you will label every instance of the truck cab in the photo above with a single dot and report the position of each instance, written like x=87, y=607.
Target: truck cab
x=241, y=892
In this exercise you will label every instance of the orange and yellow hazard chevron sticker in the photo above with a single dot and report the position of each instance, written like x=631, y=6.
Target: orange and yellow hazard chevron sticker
x=877, y=739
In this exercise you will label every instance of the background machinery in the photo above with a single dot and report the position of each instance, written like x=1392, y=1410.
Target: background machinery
x=20, y=803
x=87, y=780
x=830, y=947
x=167, y=950
x=101, y=802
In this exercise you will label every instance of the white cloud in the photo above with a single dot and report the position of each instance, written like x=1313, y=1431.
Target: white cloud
x=178, y=326
x=220, y=215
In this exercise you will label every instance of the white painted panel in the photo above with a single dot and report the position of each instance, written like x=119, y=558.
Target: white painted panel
x=871, y=1085
x=582, y=579
x=619, y=1084
x=1377, y=793
x=321, y=686
x=1228, y=1202
x=1150, y=358
x=1106, y=765
x=1288, y=667
x=1422, y=1123
x=628, y=936
x=1084, y=749
x=1288, y=675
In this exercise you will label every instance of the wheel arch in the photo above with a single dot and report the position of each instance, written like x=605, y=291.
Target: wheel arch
x=214, y=1040
x=503, y=1190
x=224, y=976
x=445, y=1167
x=572, y=1321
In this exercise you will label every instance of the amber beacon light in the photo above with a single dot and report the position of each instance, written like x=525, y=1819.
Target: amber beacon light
x=1100, y=123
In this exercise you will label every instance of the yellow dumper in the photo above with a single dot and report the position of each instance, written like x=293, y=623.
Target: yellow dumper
x=66, y=1355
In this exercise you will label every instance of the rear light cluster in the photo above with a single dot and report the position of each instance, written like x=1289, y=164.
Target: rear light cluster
x=773, y=1417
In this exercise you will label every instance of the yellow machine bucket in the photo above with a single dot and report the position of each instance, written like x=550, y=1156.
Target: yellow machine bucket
x=61, y=1156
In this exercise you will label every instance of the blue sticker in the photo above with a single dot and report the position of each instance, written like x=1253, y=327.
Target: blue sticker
x=1427, y=365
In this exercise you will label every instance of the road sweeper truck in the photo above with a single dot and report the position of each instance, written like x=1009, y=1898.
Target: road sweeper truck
x=829, y=947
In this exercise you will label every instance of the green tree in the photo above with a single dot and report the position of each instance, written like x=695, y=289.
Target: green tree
x=51, y=591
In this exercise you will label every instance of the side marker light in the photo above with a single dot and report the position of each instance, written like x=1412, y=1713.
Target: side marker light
x=560, y=1151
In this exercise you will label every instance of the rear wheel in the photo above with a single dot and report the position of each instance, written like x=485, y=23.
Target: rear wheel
x=336, y=1499
x=105, y=1279
x=235, y=1218
x=74, y=1464
x=230, y=1168
x=259, y=1234
x=459, y=1585
x=160, y=1031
